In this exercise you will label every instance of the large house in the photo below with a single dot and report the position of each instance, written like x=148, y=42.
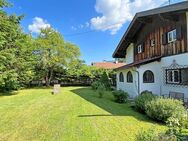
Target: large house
x=155, y=47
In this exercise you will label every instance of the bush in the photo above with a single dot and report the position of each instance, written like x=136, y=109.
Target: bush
x=106, y=81
x=142, y=100
x=161, y=109
x=120, y=96
x=146, y=135
x=153, y=135
x=101, y=89
x=166, y=137
x=95, y=85
x=103, y=80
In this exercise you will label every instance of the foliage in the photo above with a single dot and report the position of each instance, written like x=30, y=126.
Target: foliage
x=54, y=53
x=176, y=128
x=4, y=3
x=148, y=135
x=184, y=123
x=142, y=100
x=78, y=68
x=153, y=135
x=15, y=66
x=101, y=90
x=120, y=96
x=105, y=80
x=161, y=109
x=95, y=85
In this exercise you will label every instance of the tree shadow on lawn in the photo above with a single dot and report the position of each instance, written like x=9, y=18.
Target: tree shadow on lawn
x=2, y=94
x=108, y=105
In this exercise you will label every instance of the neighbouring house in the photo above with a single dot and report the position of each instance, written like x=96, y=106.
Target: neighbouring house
x=155, y=47
x=108, y=64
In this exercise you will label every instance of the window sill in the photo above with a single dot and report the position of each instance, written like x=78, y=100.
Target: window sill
x=172, y=41
x=148, y=82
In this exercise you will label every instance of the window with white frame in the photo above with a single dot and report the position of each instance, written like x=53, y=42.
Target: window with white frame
x=173, y=76
x=172, y=36
x=140, y=49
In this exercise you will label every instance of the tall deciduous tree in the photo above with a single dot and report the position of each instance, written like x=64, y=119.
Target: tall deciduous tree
x=54, y=53
x=14, y=46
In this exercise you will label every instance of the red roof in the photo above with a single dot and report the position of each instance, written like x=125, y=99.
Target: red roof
x=108, y=65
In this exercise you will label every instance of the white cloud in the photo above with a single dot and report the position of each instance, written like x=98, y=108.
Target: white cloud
x=81, y=26
x=38, y=24
x=73, y=28
x=87, y=24
x=117, y=12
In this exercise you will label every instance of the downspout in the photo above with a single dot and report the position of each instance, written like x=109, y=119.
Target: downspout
x=138, y=81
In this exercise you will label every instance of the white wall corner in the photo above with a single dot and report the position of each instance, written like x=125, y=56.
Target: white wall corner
x=187, y=26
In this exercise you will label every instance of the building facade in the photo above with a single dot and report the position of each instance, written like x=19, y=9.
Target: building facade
x=155, y=47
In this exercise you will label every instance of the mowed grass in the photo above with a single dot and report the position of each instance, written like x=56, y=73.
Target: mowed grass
x=77, y=114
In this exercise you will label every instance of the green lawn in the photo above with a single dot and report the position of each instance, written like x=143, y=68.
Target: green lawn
x=77, y=114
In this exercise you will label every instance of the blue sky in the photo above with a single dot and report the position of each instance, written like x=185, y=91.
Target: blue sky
x=100, y=23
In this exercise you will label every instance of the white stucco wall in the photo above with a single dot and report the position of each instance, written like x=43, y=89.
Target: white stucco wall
x=155, y=87
x=181, y=59
x=187, y=25
x=131, y=88
x=130, y=54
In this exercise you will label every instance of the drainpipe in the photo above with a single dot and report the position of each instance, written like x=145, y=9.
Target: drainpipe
x=138, y=81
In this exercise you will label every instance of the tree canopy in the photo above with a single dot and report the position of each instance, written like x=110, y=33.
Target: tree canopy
x=24, y=58
x=54, y=53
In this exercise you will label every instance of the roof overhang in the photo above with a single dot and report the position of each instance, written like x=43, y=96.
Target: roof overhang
x=137, y=64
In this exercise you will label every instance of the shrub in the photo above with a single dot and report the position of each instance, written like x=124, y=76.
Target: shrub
x=142, y=100
x=161, y=109
x=184, y=123
x=146, y=135
x=120, y=96
x=101, y=89
x=153, y=135
x=105, y=80
x=177, y=128
x=95, y=85
x=166, y=137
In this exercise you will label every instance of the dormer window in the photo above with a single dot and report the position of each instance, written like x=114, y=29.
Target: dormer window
x=172, y=36
x=140, y=48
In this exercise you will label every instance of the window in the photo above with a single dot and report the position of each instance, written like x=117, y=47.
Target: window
x=121, y=77
x=177, y=76
x=148, y=77
x=172, y=36
x=184, y=76
x=173, y=76
x=129, y=77
x=152, y=42
x=139, y=48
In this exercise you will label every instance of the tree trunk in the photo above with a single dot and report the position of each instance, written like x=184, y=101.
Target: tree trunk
x=49, y=77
